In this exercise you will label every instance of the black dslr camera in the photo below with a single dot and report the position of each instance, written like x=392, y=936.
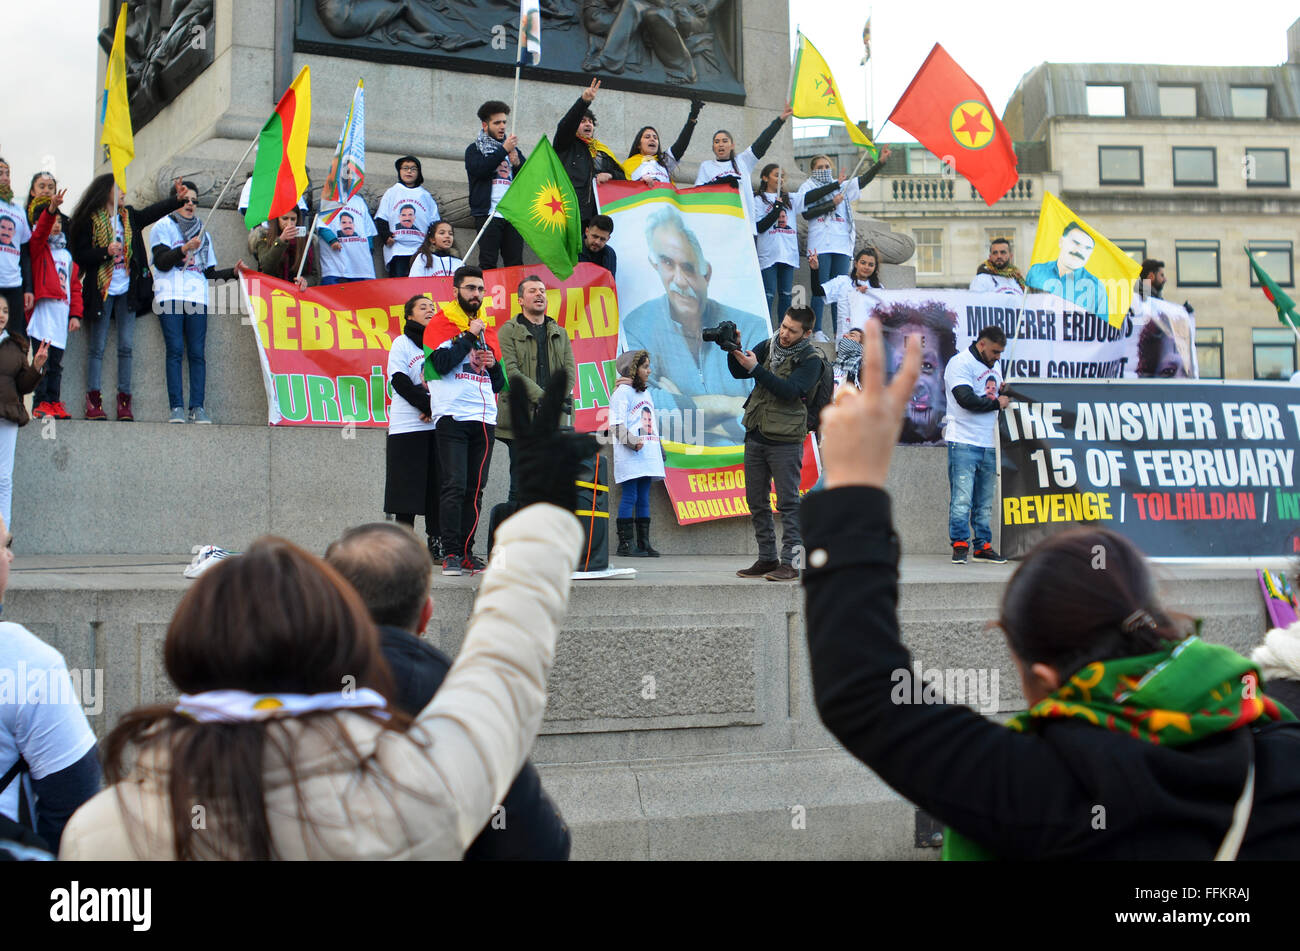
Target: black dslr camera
x=724, y=335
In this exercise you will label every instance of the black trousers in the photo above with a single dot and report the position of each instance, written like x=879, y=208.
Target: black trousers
x=399, y=265
x=513, y=495
x=51, y=383
x=464, y=454
x=500, y=237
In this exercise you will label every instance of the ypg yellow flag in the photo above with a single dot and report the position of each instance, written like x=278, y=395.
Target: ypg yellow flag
x=815, y=95
x=1073, y=261
x=115, y=111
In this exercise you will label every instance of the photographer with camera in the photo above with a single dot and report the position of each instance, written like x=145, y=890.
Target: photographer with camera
x=786, y=371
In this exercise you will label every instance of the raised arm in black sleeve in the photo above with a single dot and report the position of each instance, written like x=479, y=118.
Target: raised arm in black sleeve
x=1010, y=792
x=684, y=137
x=764, y=140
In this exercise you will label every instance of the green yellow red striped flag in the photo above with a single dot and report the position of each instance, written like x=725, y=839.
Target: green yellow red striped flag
x=280, y=174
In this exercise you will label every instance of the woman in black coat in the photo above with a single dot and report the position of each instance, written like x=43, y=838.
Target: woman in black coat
x=1139, y=742
x=107, y=242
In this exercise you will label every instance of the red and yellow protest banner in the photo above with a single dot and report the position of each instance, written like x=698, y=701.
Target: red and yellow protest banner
x=324, y=350
x=708, y=482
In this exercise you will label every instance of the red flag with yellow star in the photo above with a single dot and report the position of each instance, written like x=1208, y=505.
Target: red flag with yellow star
x=543, y=207
x=949, y=114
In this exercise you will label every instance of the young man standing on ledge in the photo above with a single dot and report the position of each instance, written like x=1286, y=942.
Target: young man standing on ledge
x=972, y=427
x=785, y=370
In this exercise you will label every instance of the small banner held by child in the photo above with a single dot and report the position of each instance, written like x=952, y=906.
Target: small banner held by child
x=324, y=351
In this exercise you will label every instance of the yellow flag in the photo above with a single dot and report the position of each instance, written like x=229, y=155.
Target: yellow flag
x=814, y=93
x=115, y=112
x=1072, y=260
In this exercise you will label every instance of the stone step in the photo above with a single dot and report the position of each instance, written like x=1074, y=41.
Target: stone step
x=128, y=488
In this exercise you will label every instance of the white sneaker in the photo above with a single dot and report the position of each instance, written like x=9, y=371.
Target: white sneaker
x=204, y=558
x=821, y=337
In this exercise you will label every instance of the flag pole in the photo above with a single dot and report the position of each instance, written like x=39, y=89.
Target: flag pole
x=310, y=234
x=226, y=187
x=514, y=105
x=1291, y=323
x=474, y=243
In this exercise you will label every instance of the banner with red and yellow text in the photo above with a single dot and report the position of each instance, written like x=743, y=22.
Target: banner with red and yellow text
x=324, y=350
x=708, y=482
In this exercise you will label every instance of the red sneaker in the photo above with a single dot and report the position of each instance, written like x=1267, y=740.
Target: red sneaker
x=59, y=411
x=43, y=409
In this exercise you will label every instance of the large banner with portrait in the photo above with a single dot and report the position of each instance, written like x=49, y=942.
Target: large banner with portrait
x=324, y=351
x=1183, y=469
x=1047, y=337
x=687, y=267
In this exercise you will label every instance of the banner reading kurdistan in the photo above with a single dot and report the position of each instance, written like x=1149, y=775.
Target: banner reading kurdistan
x=324, y=351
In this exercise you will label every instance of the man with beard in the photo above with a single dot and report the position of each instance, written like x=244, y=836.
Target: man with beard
x=1067, y=277
x=690, y=373
x=1151, y=280
x=491, y=162
x=998, y=275
x=972, y=427
x=935, y=325
x=462, y=400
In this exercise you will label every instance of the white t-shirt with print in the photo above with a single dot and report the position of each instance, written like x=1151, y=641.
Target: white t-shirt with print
x=501, y=180
x=405, y=357
x=711, y=170
x=651, y=170
x=41, y=717
x=963, y=425
x=14, y=233
x=184, y=282
x=833, y=232
x=779, y=244
x=855, y=302
x=463, y=394
x=629, y=407
x=441, y=266
x=50, y=317
x=409, y=236
x=354, y=258
x=120, y=282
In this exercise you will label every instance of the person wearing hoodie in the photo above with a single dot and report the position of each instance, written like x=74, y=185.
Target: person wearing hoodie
x=638, y=454
x=647, y=163
x=56, y=285
x=15, y=269
x=403, y=216
x=411, y=486
x=107, y=238
x=587, y=160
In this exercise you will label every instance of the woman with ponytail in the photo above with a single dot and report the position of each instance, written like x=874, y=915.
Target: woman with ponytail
x=646, y=163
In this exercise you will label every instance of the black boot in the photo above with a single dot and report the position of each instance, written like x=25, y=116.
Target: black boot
x=435, y=549
x=626, y=549
x=643, y=538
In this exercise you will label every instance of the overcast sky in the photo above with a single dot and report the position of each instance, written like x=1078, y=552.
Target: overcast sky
x=50, y=108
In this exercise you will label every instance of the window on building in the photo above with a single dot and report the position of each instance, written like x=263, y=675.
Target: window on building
x=1250, y=102
x=1119, y=164
x=1275, y=258
x=929, y=250
x=1006, y=234
x=1178, y=100
x=1274, y=354
x=1197, y=263
x=1135, y=249
x=1268, y=167
x=1195, y=166
x=1209, y=352
x=1104, y=100
x=923, y=162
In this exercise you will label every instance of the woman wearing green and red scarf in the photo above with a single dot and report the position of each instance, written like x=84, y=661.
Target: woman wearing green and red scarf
x=1139, y=742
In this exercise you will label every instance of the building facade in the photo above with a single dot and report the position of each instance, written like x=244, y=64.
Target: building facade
x=1185, y=164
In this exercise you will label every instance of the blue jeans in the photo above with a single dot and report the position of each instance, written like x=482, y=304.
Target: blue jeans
x=972, y=471
x=828, y=266
x=115, y=308
x=325, y=281
x=635, y=499
x=188, y=332
x=778, y=285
